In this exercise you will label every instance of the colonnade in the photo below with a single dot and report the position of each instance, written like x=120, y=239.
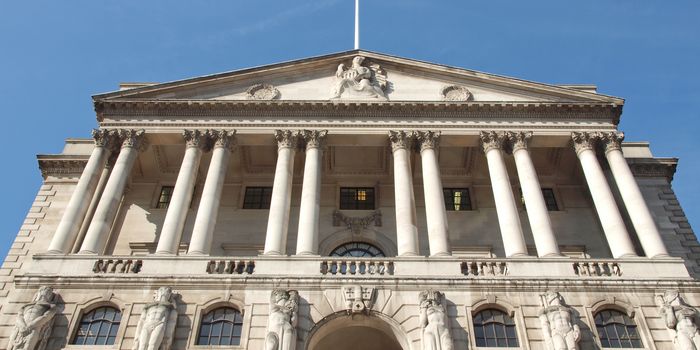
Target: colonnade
x=222, y=144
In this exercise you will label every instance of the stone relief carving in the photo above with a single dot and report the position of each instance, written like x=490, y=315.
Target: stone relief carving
x=359, y=299
x=157, y=323
x=34, y=321
x=680, y=318
x=282, y=322
x=355, y=224
x=492, y=140
x=262, y=92
x=456, y=93
x=359, y=81
x=435, y=328
x=558, y=323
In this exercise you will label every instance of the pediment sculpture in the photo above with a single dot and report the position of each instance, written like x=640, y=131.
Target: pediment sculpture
x=558, y=322
x=282, y=322
x=680, y=318
x=156, y=326
x=359, y=82
x=435, y=327
x=34, y=321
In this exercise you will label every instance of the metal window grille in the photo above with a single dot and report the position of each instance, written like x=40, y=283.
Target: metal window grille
x=98, y=327
x=617, y=330
x=221, y=326
x=457, y=199
x=357, y=249
x=357, y=198
x=494, y=328
x=257, y=198
x=166, y=194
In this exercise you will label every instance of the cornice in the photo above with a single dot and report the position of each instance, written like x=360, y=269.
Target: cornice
x=653, y=167
x=62, y=165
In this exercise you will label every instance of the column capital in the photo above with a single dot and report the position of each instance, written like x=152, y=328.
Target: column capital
x=519, y=140
x=132, y=138
x=196, y=139
x=428, y=139
x=223, y=138
x=314, y=138
x=103, y=137
x=287, y=138
x=612, y=141
x=584, y=141
x=492, y=140
x=400, y=140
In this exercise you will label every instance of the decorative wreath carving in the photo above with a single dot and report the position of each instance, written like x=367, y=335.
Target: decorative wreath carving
x=262, y=92
x=456, y=93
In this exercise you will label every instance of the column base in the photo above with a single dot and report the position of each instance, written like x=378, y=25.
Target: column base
x=55, y=252
x=309, y=254
x=165, y=253
x=660, y=256
x=273, y=253
x=407, y=255
x=628, y=256
x=519, y=255
x=87, y=252
x=555, y=255
x=197, y=253
x=441, y=254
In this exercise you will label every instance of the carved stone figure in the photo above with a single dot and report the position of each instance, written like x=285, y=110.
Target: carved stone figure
x=435, y=329
x=157, y=323
x=282, y=323
x=360, y=81
x=681, y=318
x=34, y=322
x=558, y=323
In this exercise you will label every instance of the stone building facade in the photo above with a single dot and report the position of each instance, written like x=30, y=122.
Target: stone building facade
x=353, y=201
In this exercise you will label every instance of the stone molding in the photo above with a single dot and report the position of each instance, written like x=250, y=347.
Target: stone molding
x=491, y=140
x=62, y=167
x=654, y=167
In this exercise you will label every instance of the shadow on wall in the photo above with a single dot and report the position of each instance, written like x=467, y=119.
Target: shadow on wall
x=460, y=336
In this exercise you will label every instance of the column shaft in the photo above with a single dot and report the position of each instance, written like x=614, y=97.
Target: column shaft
x=309, y=213
x=614, y=227
x=507, y=211
x=208, y=212
x=436, y=215
x=637, y=208
x=406, y=229
x=537, y=212
x=93, y=203
x=98, y=232
x=176, y=215
x=280, y=203
x=69, y=227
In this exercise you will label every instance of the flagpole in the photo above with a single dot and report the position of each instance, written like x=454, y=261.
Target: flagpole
x=357, y=24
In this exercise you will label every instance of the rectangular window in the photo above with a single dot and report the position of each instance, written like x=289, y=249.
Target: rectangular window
x=166, y=194
x=357, y=198
x=457, y=199
x=549, y=199
x=257, y=198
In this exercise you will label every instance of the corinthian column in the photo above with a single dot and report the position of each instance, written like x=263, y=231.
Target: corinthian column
x=507, y=211
x=637, y=208
x=205, y=221
x=174, y=223
x=438, y=237
x=608, y=213
x=307, y=234
x=133, y=141
x=69, y=227
x=278, y=220
x=537, y=211
x=404, y=199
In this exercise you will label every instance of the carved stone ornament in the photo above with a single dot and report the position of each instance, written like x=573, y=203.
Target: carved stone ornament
x=287, y=138
x=34, y=321
x=359, y=299
x=103, y=138
x=400, y=140
x=612, y=141
x=359, y=82
x=357, y=224
x=315, y=138
x=131, y=138
x=156, y=326
x=223, y=138
x=559, y=323
x=584, y=141
x=491, y=140
x=195, y=138
x=262, y=92
x=435, y=327
x=518, y=140
x=681, y=319
x=282, y=322
x=455, y=93
x=428, y=139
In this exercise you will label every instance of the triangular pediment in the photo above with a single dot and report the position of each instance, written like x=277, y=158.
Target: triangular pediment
x=376, y=77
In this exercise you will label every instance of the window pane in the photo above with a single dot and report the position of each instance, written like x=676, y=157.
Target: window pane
x=257, y=198
x=494, y=328
x=357, y=249
x=357, y=198
x=457, y=199
x=549, y=199
x=166, y=193
x=98, y=327
x=221, y=326
x=616, y=330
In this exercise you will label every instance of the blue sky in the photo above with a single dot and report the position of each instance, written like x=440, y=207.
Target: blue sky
x=55, y=54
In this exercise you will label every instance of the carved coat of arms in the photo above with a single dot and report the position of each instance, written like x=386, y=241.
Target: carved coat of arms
x=359, y=81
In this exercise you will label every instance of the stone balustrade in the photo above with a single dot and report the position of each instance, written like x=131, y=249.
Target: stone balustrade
x=476, y=268
x=231, y=267
x=597, y=269
x=356, y=267
x=117, y=266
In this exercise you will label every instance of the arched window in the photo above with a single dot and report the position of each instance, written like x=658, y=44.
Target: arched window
x=358, y=249
x=617, y=330
x=221, y=326
x=494, y=328
x=98, y=327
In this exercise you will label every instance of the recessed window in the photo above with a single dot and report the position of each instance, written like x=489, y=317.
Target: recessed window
x=357, y=198
x=221, y=326
x=257, y=198
x=549, y=199
x=495, y=329
x=457, y=199
x=617, y=330
x=98, y=327
x=358, y=249
x=166, y=194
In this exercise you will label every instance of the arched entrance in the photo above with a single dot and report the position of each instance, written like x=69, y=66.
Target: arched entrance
x=341, y=331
